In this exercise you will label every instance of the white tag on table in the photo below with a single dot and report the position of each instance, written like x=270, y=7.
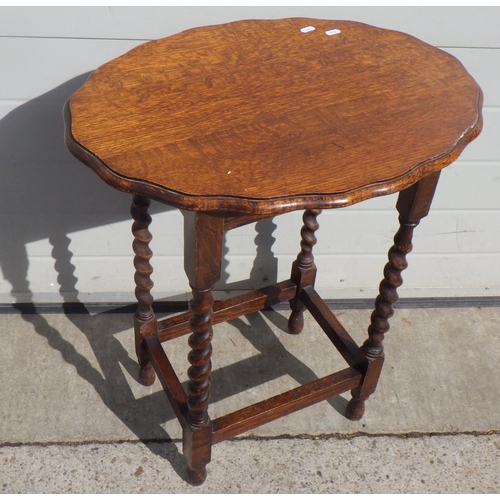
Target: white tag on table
x=307, y=29
x=332, y=32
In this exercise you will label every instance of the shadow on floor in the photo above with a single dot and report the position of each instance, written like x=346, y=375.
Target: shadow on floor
x=59, y=196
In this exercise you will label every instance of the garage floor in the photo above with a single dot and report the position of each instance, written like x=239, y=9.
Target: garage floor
x=75, y=419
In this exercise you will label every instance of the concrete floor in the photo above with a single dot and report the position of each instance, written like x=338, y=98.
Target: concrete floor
x=75, y=419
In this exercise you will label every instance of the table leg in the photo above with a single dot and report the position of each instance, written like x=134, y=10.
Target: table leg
x=413, y=204
x=202, y=262
x=144, y=320
x=303, y=269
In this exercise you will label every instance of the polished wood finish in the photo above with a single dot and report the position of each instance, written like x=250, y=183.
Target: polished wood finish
x=413, y=204
x=144, y=317
x=235, y=131
x=337, y=119
x=168, y=378
x=278, y=406
x=203, y=244
x=303, y=269
x=234, y=307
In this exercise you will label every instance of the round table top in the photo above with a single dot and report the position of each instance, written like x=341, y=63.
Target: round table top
x=266, y=116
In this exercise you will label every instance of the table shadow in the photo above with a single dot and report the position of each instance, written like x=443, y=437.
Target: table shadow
x=46, y=194
x=145, y=416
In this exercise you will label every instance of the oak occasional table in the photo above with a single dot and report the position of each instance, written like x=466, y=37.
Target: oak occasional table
x=248, y=120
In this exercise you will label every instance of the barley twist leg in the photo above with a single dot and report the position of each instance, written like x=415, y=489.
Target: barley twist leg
x=199, y=372
x=303, y=269
x=199, y=357
x=202, y=261
x=413, y=204
x=388, y=295
x=144, y=317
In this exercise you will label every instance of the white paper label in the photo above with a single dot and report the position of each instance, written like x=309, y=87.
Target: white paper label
x=332, y=32
x=307, y=29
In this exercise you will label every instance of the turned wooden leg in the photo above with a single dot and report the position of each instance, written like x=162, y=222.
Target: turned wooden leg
x=373, y=346
x=203, y=256
x=303, y=269
x=198, y=437
x=144, y=320
x=413, y=204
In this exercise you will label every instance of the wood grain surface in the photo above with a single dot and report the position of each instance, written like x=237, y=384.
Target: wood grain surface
x=257, y=116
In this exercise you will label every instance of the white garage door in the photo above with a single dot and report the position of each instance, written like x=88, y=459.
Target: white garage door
x=65, y=235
